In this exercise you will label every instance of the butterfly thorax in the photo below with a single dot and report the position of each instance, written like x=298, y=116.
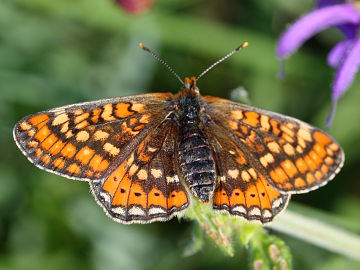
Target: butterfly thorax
x=196, y=161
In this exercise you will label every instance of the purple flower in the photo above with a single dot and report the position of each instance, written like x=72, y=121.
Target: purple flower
x=344, y=56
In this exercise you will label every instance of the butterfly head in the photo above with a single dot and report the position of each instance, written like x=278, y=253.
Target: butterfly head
x=190, y=85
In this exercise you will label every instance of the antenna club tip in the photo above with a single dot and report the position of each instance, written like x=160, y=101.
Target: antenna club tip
x=142, y=46
x=243, y=45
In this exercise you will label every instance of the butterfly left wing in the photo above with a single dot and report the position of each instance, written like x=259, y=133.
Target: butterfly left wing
x=293, y=156
x=124, y=148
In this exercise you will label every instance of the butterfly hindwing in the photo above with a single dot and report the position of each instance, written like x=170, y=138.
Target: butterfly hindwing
x=241, y=189
x=292, y=155
x=145, y=187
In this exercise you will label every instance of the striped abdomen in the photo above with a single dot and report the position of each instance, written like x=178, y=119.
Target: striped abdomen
x=196, y=162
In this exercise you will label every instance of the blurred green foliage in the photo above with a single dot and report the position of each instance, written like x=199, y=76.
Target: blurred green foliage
x=60, y=52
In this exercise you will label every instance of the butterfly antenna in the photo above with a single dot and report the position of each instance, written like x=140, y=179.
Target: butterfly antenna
x=243, y=45
x=142, y=46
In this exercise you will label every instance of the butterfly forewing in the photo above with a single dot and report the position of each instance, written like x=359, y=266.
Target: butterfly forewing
x=292, y=156
x=84, y=141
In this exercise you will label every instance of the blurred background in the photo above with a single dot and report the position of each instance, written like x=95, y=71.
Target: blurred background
x=59, y=52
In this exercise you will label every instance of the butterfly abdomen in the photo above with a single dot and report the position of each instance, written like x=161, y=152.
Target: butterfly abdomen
x=196, y=161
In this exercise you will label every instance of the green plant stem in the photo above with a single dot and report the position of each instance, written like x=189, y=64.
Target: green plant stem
x=321, y=234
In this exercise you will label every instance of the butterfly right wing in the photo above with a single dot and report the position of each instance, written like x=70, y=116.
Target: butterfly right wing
x=241, y=189
x=293, y=156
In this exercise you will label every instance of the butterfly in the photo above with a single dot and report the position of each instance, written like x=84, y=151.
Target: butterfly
x=147, y=157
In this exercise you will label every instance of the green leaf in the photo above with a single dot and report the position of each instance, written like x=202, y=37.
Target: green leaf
x=268, y=252
x=218, y=227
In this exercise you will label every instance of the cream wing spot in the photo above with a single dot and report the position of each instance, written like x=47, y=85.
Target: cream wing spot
x=82, y=136
x=240, y=209
x=119, y=210
x=145, y=119
x=133, y=169
x=82, y=125
x=267, y=214
x=304, y=134
x=253, y=173
x=287, y=130
x=299, y=149
x=101, y=135
x=33, y=144
x=301, y=142
x=255, y=211
x=151, y=149
x=245, y=176
x=276, y=203
x=130, y=160
x=329, y=161
x=106, y=196
x=156, y=210
x=107, y=113
x=69, y=134
x=64, y=127
x=138, y=107
x=111, y=149
x=274, y=147
x=334, y=147
x=156, y=173
x=233, y=173
x=136, y=211
x=25, y=126
x=267, y=159
x=60, y=119
x=264, y=121
x=172, y=179
x=289, y=149
x=81, y=118
x=142, y=174
x=31, y=132
x=329, y=151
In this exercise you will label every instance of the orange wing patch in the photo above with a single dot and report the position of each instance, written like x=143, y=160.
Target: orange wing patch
x=318, y=161
x=255, y=201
